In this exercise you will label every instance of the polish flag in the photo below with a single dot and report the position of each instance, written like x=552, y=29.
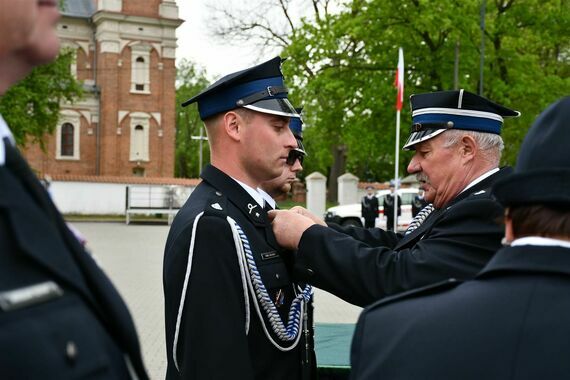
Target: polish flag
x=399, y=82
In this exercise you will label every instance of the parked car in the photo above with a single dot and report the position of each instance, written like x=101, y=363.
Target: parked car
x=350, y=215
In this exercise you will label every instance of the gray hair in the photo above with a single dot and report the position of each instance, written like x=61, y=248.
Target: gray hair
x=490, y=144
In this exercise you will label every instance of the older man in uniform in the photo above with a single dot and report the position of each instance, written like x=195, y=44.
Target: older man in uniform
x=60, y=316
x=232, y=309
x=455, y=135
x=511, y=321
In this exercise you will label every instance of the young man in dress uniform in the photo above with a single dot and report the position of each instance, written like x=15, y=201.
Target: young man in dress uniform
x=511, y=321
x=369, y=208
x=60, y=316
x=455, y=135
x=232, y=309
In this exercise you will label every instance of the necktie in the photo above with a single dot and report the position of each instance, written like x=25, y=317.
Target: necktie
x=419, y=219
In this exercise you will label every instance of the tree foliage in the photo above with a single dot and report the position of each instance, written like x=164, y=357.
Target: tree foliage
x=344, y=67
x=31, y=107
x=190, y=81
x=341, y=68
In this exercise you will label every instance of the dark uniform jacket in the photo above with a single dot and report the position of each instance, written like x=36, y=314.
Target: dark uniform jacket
x=369, y=207
x=212, y=342
x=60, y=316
x=388, y=205
x=510, y=322
x=364, y=265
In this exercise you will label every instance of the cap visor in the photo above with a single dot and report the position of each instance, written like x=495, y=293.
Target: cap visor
x=418, y=137
x=281, y=107
x=300, y=146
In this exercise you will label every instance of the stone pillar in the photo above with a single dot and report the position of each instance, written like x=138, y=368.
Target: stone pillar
x=316, y=193
x=347, y=189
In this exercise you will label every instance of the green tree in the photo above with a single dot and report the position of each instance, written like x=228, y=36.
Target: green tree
x=31, y=107
x=343, y=69
x=342, y=57
x=190, y=81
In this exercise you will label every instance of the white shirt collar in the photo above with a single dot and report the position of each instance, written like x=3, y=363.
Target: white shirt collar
x=541, y=241
x=4, y=132
x=481, y=178
x=267, y=198
x=252, y=192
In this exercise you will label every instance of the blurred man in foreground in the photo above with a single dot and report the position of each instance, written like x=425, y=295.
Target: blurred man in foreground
x=61, y=318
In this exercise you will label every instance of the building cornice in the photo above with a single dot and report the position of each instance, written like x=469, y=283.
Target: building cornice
x=101, y=16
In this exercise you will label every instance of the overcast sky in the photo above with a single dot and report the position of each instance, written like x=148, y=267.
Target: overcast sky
x=196, y=44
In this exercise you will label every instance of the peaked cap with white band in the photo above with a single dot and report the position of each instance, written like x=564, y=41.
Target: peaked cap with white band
x=435, y=112
x=259, y=88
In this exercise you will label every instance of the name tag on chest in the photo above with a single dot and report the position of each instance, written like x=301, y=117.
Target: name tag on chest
x=269, y=255
x=29, y=295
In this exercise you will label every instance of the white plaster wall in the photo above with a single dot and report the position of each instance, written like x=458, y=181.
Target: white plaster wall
x=89, y=198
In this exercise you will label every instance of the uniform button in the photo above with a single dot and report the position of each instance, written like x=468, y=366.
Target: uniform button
x=71, y=351
x=310, y=272
x=218, y=194
x=277, y=276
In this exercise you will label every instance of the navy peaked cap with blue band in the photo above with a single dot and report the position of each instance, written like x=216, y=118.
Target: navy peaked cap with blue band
x=435, y=112
x=296, y=126
x=259, y=88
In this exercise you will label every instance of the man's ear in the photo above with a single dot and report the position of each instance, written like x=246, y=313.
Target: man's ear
x=468, y=147
x=233, y=125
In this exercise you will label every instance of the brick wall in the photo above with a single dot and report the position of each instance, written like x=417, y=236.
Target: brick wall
x=147, y=8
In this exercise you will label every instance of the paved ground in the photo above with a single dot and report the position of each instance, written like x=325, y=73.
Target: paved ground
x=132, y=256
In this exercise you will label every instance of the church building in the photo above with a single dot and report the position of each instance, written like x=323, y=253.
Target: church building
x=125, y=123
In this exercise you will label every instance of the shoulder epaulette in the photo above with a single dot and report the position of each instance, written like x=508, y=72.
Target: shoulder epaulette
x=423, y=291
x=216, y=205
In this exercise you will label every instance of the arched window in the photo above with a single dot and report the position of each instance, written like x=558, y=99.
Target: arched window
x=140, y=68
x=139, y=137
x=67, y=139
x=138, y=142
x=139, y=74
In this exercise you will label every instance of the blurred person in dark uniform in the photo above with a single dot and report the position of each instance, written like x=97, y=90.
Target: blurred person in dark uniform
x=232, y=309
x=389, y=204
x=457, y=144
x=281, y=186
x=418, y=203
x=511, y=321
x=369, y=208
x=60, y=316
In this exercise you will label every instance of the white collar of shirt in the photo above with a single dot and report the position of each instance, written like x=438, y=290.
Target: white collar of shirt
x=252, y=192
x=481, y=178
x=541, y=241
x=267, y=198
x=4, y=132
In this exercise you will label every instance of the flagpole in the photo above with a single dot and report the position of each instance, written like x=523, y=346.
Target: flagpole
x=399, y=83
x=396, y=185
